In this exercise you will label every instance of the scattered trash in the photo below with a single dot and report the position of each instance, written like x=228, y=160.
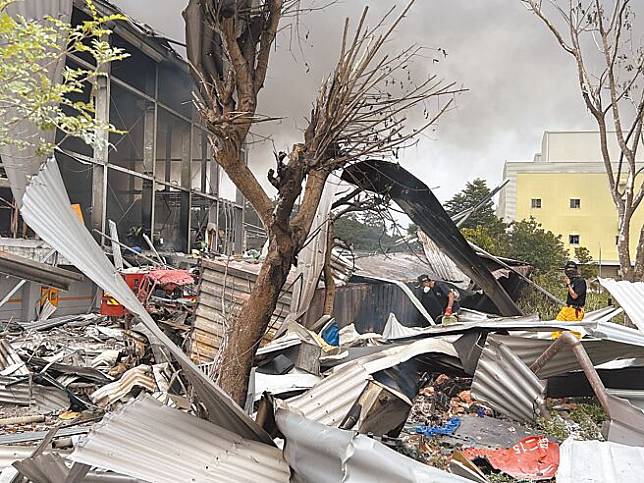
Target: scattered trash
x=449, y=427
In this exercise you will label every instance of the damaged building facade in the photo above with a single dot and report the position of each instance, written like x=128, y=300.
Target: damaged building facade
x=158, y=178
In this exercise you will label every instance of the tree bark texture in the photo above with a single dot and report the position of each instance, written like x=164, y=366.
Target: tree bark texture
x=250, y=325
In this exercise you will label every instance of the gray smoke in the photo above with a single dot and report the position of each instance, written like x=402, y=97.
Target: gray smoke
x=520, y=83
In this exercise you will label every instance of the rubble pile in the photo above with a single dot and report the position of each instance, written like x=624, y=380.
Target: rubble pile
x=132, y=395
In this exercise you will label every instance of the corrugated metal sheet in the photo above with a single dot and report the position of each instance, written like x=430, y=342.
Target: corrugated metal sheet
x=44, y=468
x=57, y=321
x=386, y=358
x=21, y=392
x=139, y=376
x=528, y=322
x=156, y=443
x=405, y=267
x=441, y=264
x=321, y=454
x=633, y=396
x=329, y=401
x=47, y=210
x=31, y=436
x=630, y=296
x=310, y=260
x=367, y=305
x=599, y=351
x=20, y=163
x=504, y=382
x=10, y=361
x=279, y=384
x=225, y=287
x=625, y=423
x=599, y=462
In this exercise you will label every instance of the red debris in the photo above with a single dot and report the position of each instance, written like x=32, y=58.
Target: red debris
x=532, y=458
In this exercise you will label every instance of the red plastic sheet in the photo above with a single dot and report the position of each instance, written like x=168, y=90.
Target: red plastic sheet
x=532, y=458
x=175, y=276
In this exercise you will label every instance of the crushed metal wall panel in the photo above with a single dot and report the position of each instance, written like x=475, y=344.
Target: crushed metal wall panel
x=22, y=393
x=329, y=401
x=420, y=204
x=10, y=362
x=630, y=296
x=47, y=210
x=504, y=382
x=224, y=288
x=320, y=454
x=146, y=440
x=599, y=351
x=599, y=462
x=625, y=424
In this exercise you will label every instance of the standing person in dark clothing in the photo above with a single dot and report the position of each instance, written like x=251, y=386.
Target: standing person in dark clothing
x=447, y=296
x=576, y=287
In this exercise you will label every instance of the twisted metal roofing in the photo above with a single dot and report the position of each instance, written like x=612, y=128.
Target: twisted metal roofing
x=599, y=461
x=630, y=296
x=503, y=381
x=47, y=210
x=147, y=440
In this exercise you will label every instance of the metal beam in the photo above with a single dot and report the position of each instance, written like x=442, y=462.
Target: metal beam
x=87, y=160
x=27, y=269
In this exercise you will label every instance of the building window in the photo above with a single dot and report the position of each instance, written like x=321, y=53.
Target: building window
x=616, y=240
x=536, y=203
x=575, y=203
x=573, y=239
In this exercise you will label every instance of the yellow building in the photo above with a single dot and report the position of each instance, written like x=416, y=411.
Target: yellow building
x=565, y=188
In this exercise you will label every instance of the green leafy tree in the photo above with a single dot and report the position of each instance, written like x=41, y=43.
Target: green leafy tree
x=29, y=51
x=587, y=267
x=531, y=243
x=473, y=194
x=364, y=232
x=496, y=243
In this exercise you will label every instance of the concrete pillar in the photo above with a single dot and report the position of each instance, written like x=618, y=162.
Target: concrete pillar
x=98, y=209
x=149, y=161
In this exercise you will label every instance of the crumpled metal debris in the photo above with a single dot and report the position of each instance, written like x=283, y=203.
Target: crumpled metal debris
x=146, y=440
x=322, y=454
x=47, y=210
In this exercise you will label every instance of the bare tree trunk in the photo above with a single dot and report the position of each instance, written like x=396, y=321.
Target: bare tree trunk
x=329, y=281
x=623, y=246
x=252, y=322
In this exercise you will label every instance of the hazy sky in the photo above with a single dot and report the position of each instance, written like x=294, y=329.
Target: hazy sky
x=520, y=83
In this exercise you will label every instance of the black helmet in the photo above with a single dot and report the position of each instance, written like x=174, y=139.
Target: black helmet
x=570, y=265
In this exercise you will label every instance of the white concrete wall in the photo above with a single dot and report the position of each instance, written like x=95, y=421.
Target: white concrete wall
x=582, y=146
x=23, y=305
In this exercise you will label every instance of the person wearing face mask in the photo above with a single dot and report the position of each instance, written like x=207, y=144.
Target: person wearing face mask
x=447, y=297
x=576, y=287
